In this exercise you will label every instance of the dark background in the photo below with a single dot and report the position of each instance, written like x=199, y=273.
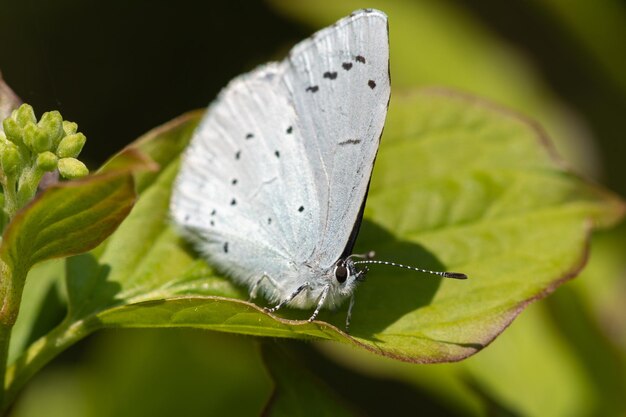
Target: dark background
x=120, y=68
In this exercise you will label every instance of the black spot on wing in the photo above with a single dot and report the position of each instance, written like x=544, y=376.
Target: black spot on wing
x=301, y=209
x=233, y=202
x=225, y=247
x=350, y=142
x=360, y=58
x=330, y=75
x=312, y=89
x=269, y=220
x=213, y=212
x=249, y=136
x=347, y=66
x=290, y=130
x=234, y=181
x=277, y=154
x=212, y=223
x=237, y=154
x=372, y=84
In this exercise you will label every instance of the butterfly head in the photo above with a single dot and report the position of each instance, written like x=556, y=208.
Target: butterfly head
x=347, y=275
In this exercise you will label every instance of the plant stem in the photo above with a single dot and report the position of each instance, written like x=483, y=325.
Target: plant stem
x=39, y=354
x=10, y=297
x=10, y=195
x=27, y=186
x=7, y=319
x=5, y=337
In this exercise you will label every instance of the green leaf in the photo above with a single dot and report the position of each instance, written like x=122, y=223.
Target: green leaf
x=510, y=217
x=68, y=218
x=459, y=185
x=455, y=179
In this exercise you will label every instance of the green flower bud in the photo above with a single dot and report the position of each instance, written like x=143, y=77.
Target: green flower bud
x=35, y=138
x=42, y=142
x=71, y=168
x=52, y=124
x=28, y=134
x=10, y=158
x=71, y=145
x=24, y=114
x=12, y=130
x=47, y=161
x=69, y=127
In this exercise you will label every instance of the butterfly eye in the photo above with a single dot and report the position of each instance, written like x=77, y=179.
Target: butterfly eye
x=341, y=273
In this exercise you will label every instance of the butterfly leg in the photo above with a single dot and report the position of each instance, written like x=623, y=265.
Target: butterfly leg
x=349, y=316
x=320, y=303
x=293, y=295
x=253, y=291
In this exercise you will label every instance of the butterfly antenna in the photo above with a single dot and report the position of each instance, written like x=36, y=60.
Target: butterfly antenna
x=455, y=275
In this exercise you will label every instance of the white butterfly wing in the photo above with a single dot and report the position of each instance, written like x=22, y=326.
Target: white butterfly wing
x=275, y=174
x=339, y=81
x=244, y=191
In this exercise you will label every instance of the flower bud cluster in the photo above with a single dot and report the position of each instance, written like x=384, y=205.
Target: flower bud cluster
x=53, y=143
x=30, y=148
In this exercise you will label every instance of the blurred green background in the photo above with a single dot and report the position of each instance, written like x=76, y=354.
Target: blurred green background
x=119, y=68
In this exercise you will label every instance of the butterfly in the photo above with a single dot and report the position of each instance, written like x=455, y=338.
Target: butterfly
x=272, y=187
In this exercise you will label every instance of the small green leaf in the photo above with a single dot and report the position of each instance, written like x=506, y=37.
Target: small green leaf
x=68, y=218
